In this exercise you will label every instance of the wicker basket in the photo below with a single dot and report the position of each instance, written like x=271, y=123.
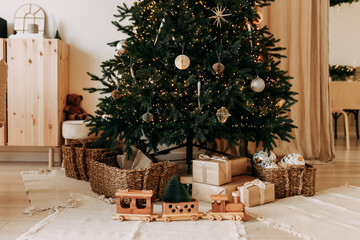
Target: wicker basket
x=77, y=157
x=295, y=180
x=106, y=177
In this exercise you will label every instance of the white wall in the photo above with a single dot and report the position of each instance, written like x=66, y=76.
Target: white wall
x=344, y=34
x=86, y=26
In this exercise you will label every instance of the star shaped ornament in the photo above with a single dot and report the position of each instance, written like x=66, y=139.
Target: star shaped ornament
x=219, y=15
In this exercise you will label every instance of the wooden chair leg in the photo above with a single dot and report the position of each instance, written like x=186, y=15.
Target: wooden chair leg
x=336, y=117
x=356, y=113
x=346, y=120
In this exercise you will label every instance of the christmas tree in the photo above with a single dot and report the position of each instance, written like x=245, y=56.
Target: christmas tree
x=192, y=72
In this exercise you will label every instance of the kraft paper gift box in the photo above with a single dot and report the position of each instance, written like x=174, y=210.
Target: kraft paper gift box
x=257, y=193
x=203, y=191
x=212, y=170
x=239, y=165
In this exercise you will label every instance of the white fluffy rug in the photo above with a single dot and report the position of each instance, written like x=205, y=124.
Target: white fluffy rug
x=51, y=189
x=91, y=220
x=330, y=214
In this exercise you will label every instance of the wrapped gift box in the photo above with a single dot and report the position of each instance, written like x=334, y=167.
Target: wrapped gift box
x=215, y=171
x=203, y=192
x=239, y=166
x=256, y=193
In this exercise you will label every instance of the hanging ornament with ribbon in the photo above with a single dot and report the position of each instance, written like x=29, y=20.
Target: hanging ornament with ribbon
x=219, y=15
x=222, y=114
x=248, y=25
x=148, y=117
x=182, y=61
x=121, y=47
x=131, y=67
x=257, y=84
x=218, y=67
x=199, y=93
x=159, y=31
x=116, y=94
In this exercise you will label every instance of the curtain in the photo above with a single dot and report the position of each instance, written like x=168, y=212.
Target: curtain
x=302, y=27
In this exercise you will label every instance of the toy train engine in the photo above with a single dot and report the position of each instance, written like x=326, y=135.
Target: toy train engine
x=222, y=209
x=134, y=205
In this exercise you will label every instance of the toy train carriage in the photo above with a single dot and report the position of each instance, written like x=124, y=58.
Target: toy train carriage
x=180, y=211
x=134, y=205
x=222, y=209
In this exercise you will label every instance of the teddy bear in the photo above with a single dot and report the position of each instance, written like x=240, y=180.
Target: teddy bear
x=73, y=109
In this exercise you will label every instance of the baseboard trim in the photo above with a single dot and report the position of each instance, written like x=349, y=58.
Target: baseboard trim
x=42, y=156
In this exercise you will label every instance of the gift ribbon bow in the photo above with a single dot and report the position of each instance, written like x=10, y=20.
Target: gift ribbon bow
x=217, y=158
x=245, y=189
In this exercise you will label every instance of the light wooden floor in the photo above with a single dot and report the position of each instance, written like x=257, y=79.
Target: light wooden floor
x=13, y=198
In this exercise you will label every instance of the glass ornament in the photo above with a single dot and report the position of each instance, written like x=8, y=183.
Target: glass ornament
x=222, y=114
x=147, y=117
x=257, y=84
x=218, y=67
x=182, y=62
x=116, y=94
x=121, y=47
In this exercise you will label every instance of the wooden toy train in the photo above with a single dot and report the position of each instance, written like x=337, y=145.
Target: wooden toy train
x=137, y=205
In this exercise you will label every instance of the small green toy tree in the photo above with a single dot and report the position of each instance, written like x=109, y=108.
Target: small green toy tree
x=175, y=192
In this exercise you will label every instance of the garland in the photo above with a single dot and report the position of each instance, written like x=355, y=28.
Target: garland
x=339, y=2
x=340, y=73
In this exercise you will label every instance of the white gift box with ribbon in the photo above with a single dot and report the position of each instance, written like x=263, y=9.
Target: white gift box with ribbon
x=256, y=193
x=203, y=192
x=215, y=170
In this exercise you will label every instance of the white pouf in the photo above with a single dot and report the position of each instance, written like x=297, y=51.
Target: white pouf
x=74, y=129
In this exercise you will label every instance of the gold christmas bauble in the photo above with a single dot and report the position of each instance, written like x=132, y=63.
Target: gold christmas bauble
x=121, y=47
x=257, y=84
x=259, y=19
x=222, y=114
x=182, y=62
x=218, y=67
x=116, y=94
x=147, y=117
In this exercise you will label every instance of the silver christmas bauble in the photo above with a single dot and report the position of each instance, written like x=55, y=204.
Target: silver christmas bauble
x=264, y=158
x=292, y=159
x=257, y=84
x=120, y=47
x=182, y=62
x=147, y=117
